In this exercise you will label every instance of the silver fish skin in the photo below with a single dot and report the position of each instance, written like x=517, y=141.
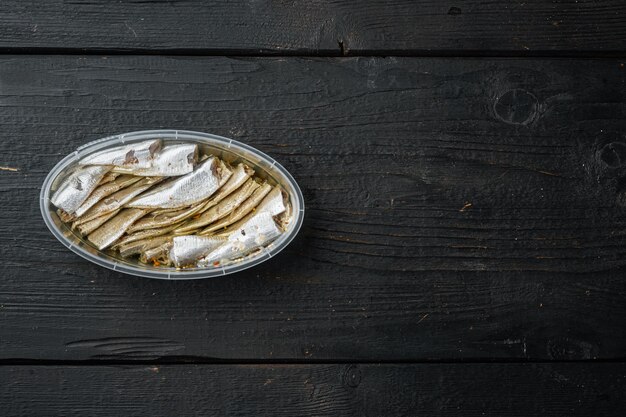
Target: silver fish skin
x=161, y=219
x=88, y=227
x=113, y=229
x=147, y=233
x=240, y=175
x=224, y=208
x=260, y=230
x=75, y=189
x=189, y=189
x=240, y=212
x=119, y=199
x=274, y=203
x=172, y=161
x=135, y=155
x=139, y=246
x=105, y=190
x=187, y=250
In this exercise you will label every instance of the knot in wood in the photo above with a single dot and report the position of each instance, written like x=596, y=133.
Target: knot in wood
x=351, y=376
x=516, y=107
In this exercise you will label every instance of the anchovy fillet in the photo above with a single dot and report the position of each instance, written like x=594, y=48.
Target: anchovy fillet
x=188, y=189
x=75, y=189
x=135, y=155
x=260, y=230
x=172, y=161
x=187, y=250
x=114, y=228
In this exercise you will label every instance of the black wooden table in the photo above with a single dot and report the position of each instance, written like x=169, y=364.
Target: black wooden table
x=464, y=170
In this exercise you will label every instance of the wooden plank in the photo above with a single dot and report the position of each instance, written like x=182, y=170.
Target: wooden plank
x=322, y=26
x=316, y=390
x=456, y=208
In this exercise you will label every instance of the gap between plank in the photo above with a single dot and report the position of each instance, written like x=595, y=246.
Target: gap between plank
x=182, y=360
x=319, y=53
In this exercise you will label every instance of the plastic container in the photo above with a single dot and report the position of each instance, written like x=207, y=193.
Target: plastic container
x=227, y=149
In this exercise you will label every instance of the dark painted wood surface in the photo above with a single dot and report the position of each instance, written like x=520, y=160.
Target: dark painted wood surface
x=523, y=390
x=456, y=208
x=320, y=26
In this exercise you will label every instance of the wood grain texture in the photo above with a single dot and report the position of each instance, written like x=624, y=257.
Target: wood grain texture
x=523, y=390
x=456, y=208
x=320, y=26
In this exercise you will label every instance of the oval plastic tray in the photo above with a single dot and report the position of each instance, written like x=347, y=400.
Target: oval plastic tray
x=226, y=148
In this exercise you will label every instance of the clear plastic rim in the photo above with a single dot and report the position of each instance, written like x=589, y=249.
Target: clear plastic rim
x=297, y=201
